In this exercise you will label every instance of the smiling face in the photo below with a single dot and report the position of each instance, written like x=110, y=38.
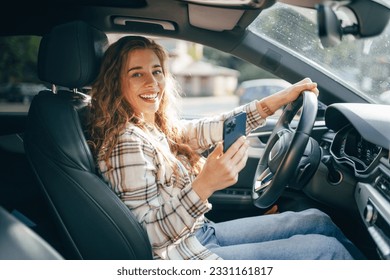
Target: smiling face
x=143, y=83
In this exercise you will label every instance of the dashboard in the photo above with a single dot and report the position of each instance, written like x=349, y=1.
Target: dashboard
x=360, y=142
x=351, y=148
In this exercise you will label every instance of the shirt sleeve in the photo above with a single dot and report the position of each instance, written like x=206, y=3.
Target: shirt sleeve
x=206, y=132
x=135, y=180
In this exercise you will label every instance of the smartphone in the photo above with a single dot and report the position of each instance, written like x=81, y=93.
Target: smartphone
x=233, y=128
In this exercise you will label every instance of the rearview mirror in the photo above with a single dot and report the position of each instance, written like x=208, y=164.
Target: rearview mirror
x=329, y=26
x=337, y=19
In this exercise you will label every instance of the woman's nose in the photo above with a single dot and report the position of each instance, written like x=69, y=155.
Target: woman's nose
x=151, y=80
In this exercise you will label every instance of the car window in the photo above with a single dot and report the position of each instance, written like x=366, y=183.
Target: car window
x=19, y=81
x=207, y=77
x=361, y=65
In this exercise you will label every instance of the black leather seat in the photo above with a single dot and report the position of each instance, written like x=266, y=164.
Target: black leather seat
x=19, y=242
x=93, y=221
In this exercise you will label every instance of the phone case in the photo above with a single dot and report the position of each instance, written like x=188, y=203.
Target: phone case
x=233, y=128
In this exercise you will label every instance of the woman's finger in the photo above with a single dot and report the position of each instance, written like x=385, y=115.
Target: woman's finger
x=218, y=150
x=241, y=153
x=241, y=163
x=234, y=148
x=306, y=86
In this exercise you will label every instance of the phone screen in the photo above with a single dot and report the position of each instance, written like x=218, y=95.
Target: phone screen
x=233, y=128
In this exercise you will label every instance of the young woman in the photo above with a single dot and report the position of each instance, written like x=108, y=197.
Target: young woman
x=152, y=161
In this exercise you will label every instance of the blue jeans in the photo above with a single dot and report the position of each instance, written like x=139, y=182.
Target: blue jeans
x=305, y=235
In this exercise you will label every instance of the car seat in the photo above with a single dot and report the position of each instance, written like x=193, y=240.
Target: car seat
x=93, y=221
x=19, y=242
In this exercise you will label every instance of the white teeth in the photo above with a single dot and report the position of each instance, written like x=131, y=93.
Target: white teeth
x=149, y=96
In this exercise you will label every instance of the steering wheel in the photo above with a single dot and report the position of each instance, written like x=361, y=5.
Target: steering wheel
x=283, y=161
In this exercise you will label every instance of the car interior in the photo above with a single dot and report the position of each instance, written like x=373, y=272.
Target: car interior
x=59, y=207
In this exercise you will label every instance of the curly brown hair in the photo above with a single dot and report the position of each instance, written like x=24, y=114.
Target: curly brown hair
x=110, y=111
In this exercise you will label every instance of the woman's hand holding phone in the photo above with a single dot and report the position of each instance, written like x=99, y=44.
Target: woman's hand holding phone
x=233, y=128
x=222, y=167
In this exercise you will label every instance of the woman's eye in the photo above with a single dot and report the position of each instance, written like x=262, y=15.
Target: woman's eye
x=136, y=75
x=157, y=72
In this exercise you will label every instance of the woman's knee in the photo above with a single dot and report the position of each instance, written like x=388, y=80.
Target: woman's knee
x=318, y=246
x=332, y=249
x=315, y=212
x=318, y=218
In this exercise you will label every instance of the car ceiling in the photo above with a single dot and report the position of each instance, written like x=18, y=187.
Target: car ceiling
x=37, y=17
x=26, y=17
x=220, y=26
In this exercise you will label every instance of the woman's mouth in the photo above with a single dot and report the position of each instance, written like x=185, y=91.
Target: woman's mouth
x=149, y=97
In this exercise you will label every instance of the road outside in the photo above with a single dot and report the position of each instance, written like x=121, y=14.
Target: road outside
x=206, y=106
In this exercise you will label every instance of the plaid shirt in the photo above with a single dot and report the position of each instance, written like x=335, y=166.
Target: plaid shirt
x=164, y=204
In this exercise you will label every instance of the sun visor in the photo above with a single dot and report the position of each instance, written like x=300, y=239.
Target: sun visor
x=213, y=18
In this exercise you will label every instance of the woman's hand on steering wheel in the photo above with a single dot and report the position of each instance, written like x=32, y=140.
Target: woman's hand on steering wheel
x=268, y=105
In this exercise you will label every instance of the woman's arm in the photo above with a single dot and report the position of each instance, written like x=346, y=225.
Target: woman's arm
x=268, y=105
x=206, y=132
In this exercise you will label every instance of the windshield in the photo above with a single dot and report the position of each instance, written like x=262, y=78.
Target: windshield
x=362, y=65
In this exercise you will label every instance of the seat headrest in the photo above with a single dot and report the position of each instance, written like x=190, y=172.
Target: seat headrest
x=70, y=55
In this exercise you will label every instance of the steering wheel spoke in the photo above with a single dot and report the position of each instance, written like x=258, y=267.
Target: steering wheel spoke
x=264, y=180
